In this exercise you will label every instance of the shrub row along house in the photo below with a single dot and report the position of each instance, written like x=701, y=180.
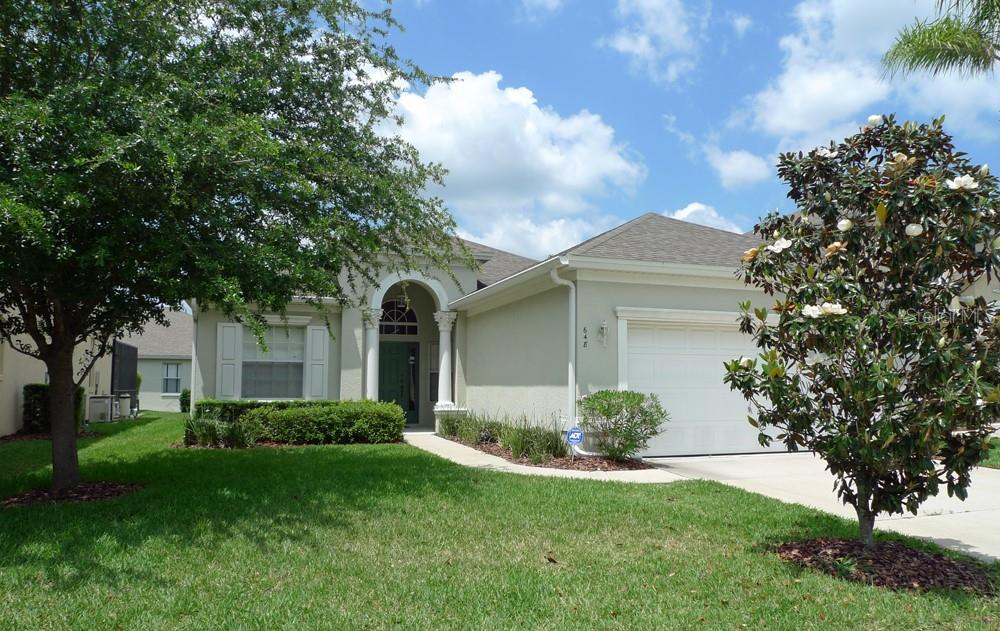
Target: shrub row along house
x=649, y=306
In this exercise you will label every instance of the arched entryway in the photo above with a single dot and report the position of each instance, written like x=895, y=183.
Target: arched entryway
x=408, y=346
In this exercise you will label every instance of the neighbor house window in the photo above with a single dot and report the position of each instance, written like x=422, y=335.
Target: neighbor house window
x=397, y=319
x=171, y=378
x=277, y=372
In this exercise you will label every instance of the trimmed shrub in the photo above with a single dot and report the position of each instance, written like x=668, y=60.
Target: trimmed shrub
x=185, y=400
x=228, y=411
x=242, y=423
x=36, y=408
x=621, y=421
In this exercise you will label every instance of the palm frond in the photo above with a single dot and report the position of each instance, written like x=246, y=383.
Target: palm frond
x=943, y=45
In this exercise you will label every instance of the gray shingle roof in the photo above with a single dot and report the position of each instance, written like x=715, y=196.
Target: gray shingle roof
x=653, y=237
x=161, y=341
x=496, y=264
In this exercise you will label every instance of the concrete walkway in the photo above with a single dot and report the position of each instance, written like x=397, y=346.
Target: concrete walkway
x=972, y=526
x=450, y=450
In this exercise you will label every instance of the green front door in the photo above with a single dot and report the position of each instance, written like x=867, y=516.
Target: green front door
x=397, y=377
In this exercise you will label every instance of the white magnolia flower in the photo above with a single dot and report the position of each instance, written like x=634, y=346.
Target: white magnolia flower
x=984, y=170
x=844, y=225
x=962, y=182
x=955, y=305
x=899, y=156
x=826, y=152
x=914, y=230
x=832, y=308
x=875, y=119
x=980, y=403
x=815, y=357
x=746, y=362
x=811, y=311
x=779, y=245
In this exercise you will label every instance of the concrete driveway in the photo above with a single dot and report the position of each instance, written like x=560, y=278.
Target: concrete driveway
x=972, y=526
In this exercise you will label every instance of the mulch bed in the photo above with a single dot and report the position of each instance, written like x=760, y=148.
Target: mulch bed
x=888, y=564
x=82, y=492
x=16, y=437
x=579, y=463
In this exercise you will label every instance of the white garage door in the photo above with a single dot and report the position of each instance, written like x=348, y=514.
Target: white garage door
x=683, y=366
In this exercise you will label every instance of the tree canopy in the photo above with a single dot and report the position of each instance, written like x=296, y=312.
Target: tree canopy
x=234, y=152
x=881, y=353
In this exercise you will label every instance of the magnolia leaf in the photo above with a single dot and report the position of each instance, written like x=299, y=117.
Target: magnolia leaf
x=881, y=212
x=996, y=244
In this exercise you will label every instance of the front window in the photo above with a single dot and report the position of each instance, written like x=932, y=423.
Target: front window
x=171, y=378
x=276, y=373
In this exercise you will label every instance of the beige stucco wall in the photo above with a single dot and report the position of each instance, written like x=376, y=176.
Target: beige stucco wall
x=151, y=396
x=17, y=370
x=515, y=357
x=597, y=362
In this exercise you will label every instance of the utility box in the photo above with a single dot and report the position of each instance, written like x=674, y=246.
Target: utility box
x=100, y=409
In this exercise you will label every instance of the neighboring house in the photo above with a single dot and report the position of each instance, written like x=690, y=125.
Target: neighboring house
x=650, y=305
x=164, y=361
x=18, y=370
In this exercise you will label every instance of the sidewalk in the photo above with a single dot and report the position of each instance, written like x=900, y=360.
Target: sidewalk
x=460, y=454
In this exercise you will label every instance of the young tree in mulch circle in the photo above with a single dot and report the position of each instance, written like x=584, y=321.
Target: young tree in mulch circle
x=227, y=151
x=879, y=357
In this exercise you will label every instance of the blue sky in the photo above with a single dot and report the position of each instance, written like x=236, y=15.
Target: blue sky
x=570, y=116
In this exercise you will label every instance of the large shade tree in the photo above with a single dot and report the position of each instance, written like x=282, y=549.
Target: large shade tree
x=964, y=37
x=881, y=353
x=228, y=151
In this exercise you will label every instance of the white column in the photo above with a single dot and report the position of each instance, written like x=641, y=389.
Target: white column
x=445, y=321
x=371, y=318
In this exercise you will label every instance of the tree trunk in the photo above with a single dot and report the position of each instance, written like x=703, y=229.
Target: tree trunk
x=866, y=524
x=62, y=403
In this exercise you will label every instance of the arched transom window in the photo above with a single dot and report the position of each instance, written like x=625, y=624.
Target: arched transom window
x=397, y=318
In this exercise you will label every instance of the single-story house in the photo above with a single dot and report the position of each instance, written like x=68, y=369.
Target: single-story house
x=650, y=305
x=164, y=354
x=18, y=370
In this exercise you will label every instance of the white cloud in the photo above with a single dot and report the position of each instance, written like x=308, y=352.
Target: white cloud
x=504, y=152
x=658, y=36
x=697, y=212
x=538, y=239
x=737, y=168
x=740, y=22
x=521, y=176
x=832, y=78
x=539, y=8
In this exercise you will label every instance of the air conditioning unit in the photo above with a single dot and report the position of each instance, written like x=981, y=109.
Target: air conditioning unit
x=99, y=409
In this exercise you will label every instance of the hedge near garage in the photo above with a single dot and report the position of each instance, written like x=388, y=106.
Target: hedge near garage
x=243, y=423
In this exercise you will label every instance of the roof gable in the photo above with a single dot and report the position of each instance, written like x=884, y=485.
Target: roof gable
x=165, y=341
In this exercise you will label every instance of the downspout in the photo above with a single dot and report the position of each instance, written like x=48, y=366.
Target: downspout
x=571, y=359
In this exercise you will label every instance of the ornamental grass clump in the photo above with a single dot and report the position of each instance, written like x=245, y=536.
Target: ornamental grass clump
x=881, y=353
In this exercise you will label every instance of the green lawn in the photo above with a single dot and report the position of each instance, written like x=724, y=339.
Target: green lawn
x=387, y=536
x=994, y=459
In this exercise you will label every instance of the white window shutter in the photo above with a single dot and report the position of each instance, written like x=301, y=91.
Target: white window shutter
x=229, y=362
x=317, y=366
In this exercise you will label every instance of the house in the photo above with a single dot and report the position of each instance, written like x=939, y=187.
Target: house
x=650, y=305
x=164, y=362
x=18, y=370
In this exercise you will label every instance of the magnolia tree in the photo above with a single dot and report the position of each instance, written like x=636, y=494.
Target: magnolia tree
x=879, y=354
